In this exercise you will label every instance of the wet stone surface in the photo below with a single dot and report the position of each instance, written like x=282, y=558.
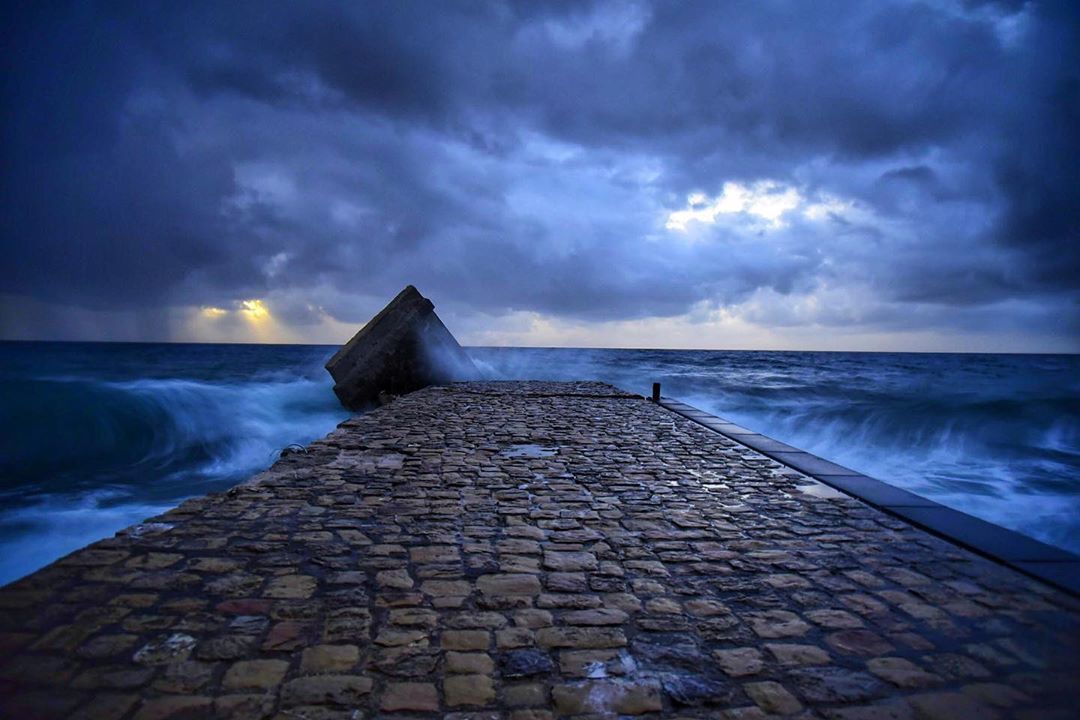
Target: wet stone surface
x=529, y=551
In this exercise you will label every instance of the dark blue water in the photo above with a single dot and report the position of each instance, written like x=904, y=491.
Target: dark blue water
x=95, y=437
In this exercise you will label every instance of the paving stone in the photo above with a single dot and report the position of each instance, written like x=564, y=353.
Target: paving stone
x=579, y=637
x=791, y=654
x=527, y=694
x=598, y=616
x=663, y=606
x=347, y=626
x=245, y=606
x=957, y=666
x=414, y=617
x=249, y=706
x=394, y=579
x=738, y=662
x=489, y=620
x=445, y=588
x=669, y=652
x=167, y=707
x=395, y=638
x=830, y=684
x=569, y=561
x=466, y=639
x=509, y=584
x=286, y=636
x=566, y=582
x=469, y=663
x=533, y=618
x=834, y=619
x=514, y=638
x=608, y=696
x=291, y=586
x=525, y=663
x=590, y=663
x=343, y=690
x=568, y=601
x=706, y=608
x=773, y=698
x=622, y=601
x=422, y=697
x=255, y=675
x=106, y=646
x=902, y=673
x=330, y=659
x=691, y=689
x=184, y=677
x=214, y=565
x=468, y=690
x=407, y=662
x=777, y=624
x=174, y=648
x=862, y=643
x=153, y=560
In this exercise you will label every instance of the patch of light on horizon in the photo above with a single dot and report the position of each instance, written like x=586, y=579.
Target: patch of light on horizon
x=765, y=200
x=254, y=310
x=213, y=312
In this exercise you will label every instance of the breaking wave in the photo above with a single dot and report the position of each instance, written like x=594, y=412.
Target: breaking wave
x=87, y=451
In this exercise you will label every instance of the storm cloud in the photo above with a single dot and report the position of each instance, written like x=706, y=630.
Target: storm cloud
x=885, y=167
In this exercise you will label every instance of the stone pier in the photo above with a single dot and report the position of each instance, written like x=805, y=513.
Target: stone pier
x=529, y=551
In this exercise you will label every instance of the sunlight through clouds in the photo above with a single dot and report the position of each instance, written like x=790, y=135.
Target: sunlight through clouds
x=595, y=163
x=765, y=200
x=829, y=206
x=254, y=310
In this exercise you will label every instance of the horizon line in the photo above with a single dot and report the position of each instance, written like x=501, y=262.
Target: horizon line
x=551, y=347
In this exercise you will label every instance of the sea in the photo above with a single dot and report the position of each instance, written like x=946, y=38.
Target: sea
x=95, y=437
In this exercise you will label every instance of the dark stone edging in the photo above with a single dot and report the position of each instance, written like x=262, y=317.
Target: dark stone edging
x=1047, y=563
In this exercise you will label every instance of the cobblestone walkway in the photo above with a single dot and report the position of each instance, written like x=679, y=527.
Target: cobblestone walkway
x=529, y=551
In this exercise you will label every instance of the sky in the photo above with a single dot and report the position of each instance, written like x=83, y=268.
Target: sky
x=884, y=175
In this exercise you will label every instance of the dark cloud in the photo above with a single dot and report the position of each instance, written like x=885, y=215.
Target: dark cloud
x=524, y=156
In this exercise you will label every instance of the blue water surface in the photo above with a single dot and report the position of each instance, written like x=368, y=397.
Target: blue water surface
x=97, y=436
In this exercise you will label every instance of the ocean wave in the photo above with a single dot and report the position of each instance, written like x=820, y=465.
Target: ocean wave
x=156, y=432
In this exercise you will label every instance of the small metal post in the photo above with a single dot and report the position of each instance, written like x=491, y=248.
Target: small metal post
x=656, y=392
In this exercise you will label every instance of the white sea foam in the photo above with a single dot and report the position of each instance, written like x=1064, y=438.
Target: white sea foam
x=34, y=535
